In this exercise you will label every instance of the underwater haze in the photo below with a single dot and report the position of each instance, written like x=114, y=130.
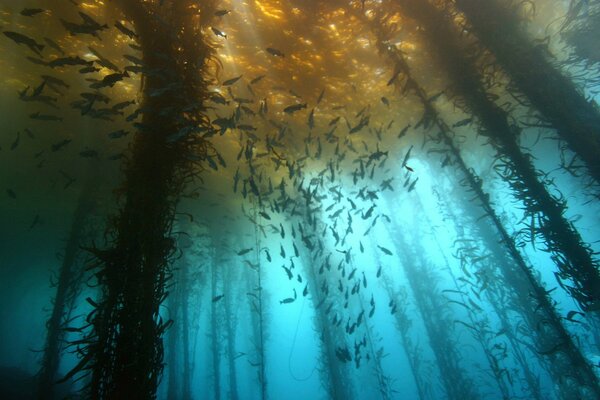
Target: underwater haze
x=300, y=199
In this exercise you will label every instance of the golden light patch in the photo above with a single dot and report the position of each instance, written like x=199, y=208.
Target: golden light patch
x=269, y=10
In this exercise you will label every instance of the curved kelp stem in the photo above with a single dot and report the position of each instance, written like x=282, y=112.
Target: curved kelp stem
x=124, y=350
x=576, y=119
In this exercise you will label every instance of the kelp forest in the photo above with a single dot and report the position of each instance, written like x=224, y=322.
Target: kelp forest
x=300, y=199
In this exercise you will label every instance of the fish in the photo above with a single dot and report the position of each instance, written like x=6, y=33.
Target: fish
x=103, y=61
x=244, y=251
x=412, y=185
x=45, y=117
x=88, y=27
x=217, y=298
x=124, y=104
x=31, y=12
x=19, y=38
x=51, y=43
x=274, y=52
x=59, y=145
x=36, y=221
x=281, y=251
x=385, y=101
x=288, y=271
x=16, y=142
x=294, y=107
x=257, y=79
x=109, y=80
x=221, y=13
x=11, y=193
x=403, y=131
x=218, y=33
x=231, y=81
x=406, y=157
x=385, y=250
x=369, y=212
x=118, y=134
x=70, y=61
x=289, y=299
x=51, y=80
x=311, y=119
x=320, y=98
x=126, y=31
x=89, y=153
x=133, y=59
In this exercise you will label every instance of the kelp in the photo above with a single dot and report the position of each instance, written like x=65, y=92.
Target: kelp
x=572, y=256
x=124, y=350
x=560, y=103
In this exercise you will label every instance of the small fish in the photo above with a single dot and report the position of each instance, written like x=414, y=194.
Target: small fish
x=257, y=79
x=406, y=157
x=11, y=193
x=385, y=101
x=59, y=145
x=403, y=131
x=55, y=81
x=26, y=40
x=320, y=98
x=126, y=31
x=369, y=212
x=44, y=117
x=218, y=33
x=217, y=298
x=118, y=134
x=231, y=81
x=275, y=52
x=412, y=185
x=51, y=43
x=30, y=12
x=289, y=299
x=288, y=271
x=281, y=251
x=386, y=251
x=293, y=108
x=89, y=153
x=244, y=251
x=221, y=13
x=311, y=119
x=70, y=61
x=16, y=142
x=36, y=221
